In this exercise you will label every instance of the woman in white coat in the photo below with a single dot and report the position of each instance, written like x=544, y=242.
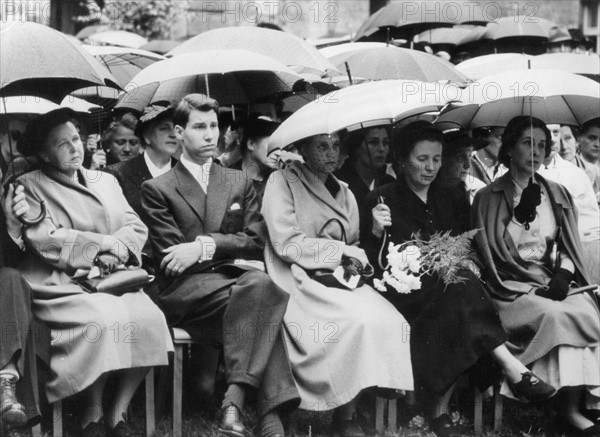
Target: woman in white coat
x=92, y=334
x=340, y=341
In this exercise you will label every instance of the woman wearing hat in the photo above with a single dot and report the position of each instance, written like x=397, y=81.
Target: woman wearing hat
x=155, y=129
x=366, y=166
x=94, y=335
x=455, y=327
x=255, y=162
x=456, y=162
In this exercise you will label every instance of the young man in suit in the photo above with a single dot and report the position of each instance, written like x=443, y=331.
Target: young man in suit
x=205, y=227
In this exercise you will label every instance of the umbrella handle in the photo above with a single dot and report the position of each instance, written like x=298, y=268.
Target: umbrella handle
x=38, y=219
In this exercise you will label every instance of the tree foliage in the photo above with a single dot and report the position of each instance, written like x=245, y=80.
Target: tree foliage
x=152, y=19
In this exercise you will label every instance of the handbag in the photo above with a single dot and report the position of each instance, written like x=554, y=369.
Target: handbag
x=121, y=281
x=126, y=280
x=349, y=275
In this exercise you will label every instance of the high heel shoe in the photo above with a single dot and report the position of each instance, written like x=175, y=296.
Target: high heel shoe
x=531, y=388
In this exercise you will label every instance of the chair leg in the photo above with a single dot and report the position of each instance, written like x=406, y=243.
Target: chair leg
x=36, y=431
x=498, y=408
x=379, y=407
x=392, y=414
x=150, y=417
x=177, y=390
x=478, y=414
x=57, y=426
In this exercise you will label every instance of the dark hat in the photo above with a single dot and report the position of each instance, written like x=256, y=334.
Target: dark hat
x=458, y=139
x=32, y=140
x=260, y=126
x=153, y=113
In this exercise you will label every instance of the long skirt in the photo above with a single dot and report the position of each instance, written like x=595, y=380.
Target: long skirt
x=23, y=338
x=93, y=334
x=453, y=329
x=341, y=342
x=559, y=339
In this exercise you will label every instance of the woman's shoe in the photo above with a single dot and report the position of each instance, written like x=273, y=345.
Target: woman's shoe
x=122, y=429
x=531, y=388
x=567, y=428
x=94, y=429
x=348, y=427
x=443, y=426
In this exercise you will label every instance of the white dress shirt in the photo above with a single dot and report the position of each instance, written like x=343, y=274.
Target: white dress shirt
x=153, y=169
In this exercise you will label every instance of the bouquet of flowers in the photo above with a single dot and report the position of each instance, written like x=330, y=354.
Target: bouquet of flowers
x=443, y=254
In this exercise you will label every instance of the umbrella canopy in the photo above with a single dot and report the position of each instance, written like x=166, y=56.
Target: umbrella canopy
x=123, y=63
x=36, y=105
x=444, y=36
x=550, y=95
x=90, y=30
x=338, y=49
x=229, y=76
x=398, y=63
x=407, y=18
x=286, y=48
x=40, y=61
x=119, y=38
x=160, y=46
x=519, y=26
x=360, y=106
x=482, y=66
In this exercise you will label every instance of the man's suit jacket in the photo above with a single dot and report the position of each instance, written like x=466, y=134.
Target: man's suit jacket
x=178, y=211
x=131, y=175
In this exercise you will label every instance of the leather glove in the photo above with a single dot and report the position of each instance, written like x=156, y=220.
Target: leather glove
x=107, y=263
x=530, y=199
x=351, y=266
x=558, y=286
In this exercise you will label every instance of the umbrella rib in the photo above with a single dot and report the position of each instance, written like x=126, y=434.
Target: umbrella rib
x=571, y=109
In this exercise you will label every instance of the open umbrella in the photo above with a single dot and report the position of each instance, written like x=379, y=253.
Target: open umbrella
x=338, y=49
x=119, y=38
x=398, y=63
x=39, y=61
x=160, y=46
x=229, y=76
x=360, y=106
x=443, y=38
x=569, y=62
x=519, y=26
x=90, y=30
x=550, y=95
x=285, y=47
x=36, y=105
x=122, y=62
x=408, y=18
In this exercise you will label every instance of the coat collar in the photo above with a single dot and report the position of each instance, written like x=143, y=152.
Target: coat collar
x=316, y=187
x=215, y=200
x=504, y=183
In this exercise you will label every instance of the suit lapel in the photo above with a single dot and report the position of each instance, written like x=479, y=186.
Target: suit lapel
x=190, y=190
x=140, y=172
x=217, y=199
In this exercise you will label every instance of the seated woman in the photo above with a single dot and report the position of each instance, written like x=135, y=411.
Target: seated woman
x=93, y=334
x=456, y=162
x=366, y=166
x=119, y=139
x=452, y=326
x=552, y=328
x=340, y=342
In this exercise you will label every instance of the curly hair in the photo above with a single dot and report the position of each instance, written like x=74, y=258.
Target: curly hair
x=128, y=120
x=514, y=129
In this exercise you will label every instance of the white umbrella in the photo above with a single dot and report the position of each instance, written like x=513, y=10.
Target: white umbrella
x=120, y=38
x=360, y=106
x=229, y=76
x=552, y=96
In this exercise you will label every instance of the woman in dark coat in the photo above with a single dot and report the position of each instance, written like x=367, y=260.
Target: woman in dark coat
x=366, y=166
x=452, y=327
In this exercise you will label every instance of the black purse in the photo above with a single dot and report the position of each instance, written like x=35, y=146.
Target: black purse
x=121, y=281
x=351, y=267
